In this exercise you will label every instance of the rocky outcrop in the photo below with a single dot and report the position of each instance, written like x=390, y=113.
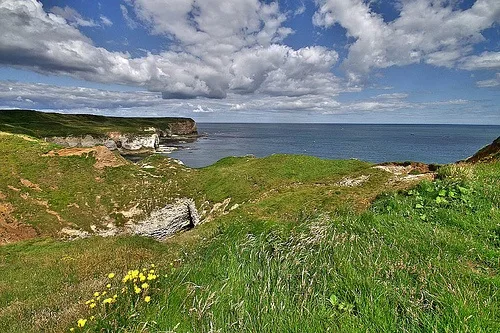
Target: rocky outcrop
x=124, y=143
x=185, y=127
x=165, y=222
x=161, y=223
x=486, y=154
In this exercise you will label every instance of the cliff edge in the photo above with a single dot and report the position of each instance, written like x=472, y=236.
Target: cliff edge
x=127, y=135
x=488, y=153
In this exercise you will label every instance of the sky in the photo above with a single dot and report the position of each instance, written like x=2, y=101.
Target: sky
x=350, y=61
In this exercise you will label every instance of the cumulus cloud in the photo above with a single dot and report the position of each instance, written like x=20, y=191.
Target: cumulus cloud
x=211, y=56
x=429, y=31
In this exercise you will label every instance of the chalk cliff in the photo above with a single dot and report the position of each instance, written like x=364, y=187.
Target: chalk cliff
x=127, y=135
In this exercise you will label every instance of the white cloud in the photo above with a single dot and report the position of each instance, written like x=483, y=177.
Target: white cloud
x=391, y=96
x=73, y=17
x=484, y=61
x=200, y=109
x=128, y=20
x=145, y=103
x=430, y=31
x=300, y=10
x=212, y=57
x=106, y=21
x=495, y=82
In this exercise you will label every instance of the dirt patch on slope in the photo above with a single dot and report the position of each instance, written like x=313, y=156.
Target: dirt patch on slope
x=10, y=229
x=31, y=185
x=103, y=156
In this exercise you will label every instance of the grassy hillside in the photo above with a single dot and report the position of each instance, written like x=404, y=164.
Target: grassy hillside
x=45, y=124
x=48, y=193
x=291, y=244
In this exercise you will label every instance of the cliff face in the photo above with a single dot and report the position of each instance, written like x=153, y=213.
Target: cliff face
x=183, y=127
x=127, y=135
x=124, y=143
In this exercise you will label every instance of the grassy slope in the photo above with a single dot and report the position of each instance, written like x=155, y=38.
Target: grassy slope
x=296, y=240
x=44, y=124
x=73, y=188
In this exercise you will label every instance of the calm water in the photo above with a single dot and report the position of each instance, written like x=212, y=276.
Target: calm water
x=374, y=143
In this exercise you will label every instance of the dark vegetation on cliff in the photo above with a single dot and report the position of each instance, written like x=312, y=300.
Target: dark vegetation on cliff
x=488, y=153
x=45, y=124
x=290, y=244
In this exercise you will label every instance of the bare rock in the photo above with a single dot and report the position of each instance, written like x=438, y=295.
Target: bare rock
x=164, y=222
x=351, y=182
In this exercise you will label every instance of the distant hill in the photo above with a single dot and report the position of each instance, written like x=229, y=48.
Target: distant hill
x=45, y=124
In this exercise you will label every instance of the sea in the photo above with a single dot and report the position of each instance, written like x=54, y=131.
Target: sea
x=369, y=142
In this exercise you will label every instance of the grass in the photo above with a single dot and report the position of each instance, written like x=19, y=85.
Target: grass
x=45, y=124
x=382, y=270
x=72, y=187
x=300, y=253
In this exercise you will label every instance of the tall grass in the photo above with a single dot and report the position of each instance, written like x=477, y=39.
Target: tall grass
x=385, y=270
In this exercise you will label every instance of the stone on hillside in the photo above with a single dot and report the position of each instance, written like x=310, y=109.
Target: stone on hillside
x=164, y=222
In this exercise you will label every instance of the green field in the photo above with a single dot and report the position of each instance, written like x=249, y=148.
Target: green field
x=293, y=249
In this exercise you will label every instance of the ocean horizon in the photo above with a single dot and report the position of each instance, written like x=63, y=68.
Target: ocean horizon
x=428, y=143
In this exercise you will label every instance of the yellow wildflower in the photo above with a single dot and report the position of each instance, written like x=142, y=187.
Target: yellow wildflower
x=92, y=317
x=137, y=290
x=107, y=301
x=89, y=301
x=71, y=329
x=115, y=296
x=151, y=271
x=92, y=305
x=108, y=285
x=111, y=275
x=142, y=277
x=144, y=285
x=147, y=299
x=81, y=322
x=96, y=294
x=151, y=277
x=153, y=265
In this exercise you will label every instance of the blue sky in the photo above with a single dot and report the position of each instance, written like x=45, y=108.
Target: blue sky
x=378, y=61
